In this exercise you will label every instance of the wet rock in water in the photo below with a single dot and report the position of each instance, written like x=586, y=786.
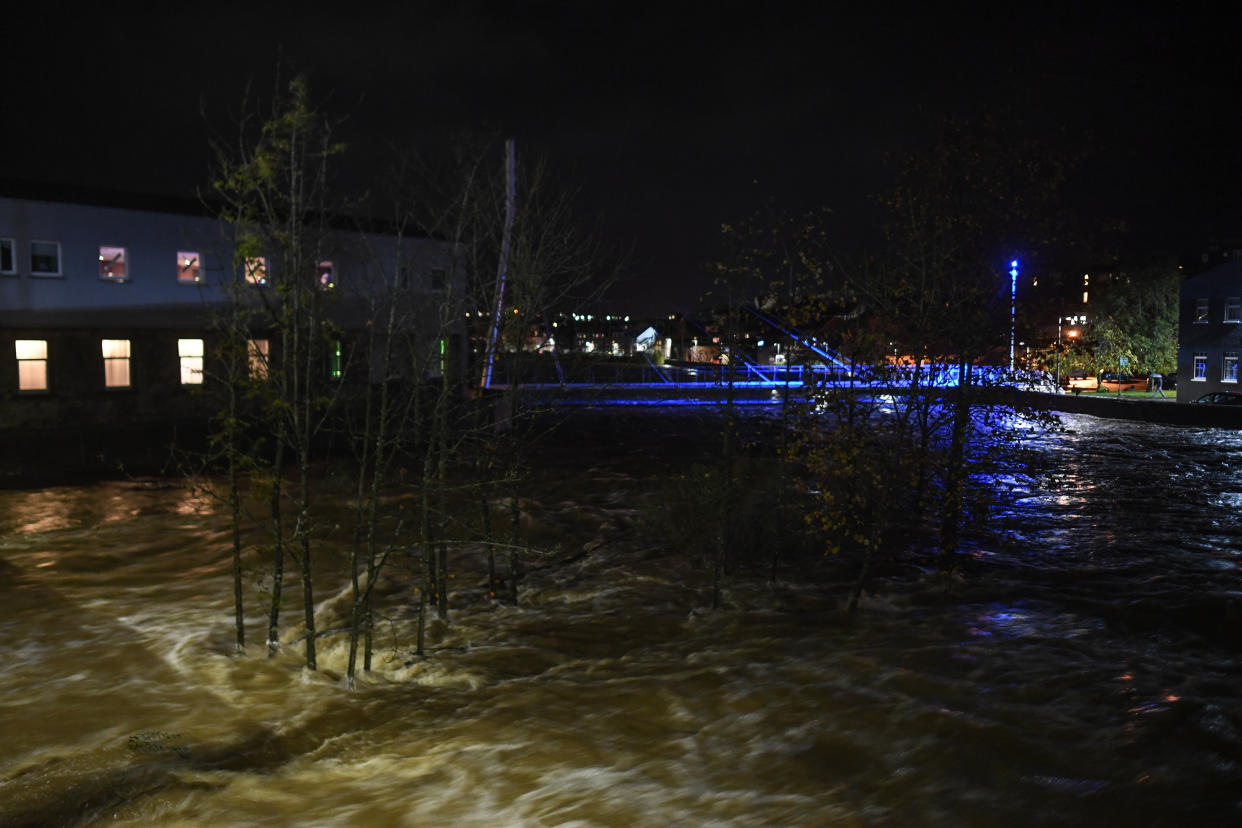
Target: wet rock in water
x=157, y=742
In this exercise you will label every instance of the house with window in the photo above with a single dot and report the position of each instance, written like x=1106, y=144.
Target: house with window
x=108, y=304
x=1210, y=331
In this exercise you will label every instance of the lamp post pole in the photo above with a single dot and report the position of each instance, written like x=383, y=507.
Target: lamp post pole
x=1059, y=319
x=1013, y=307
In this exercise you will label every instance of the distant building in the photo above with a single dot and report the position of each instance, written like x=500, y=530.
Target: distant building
x=106, y=304
x=1209, y=331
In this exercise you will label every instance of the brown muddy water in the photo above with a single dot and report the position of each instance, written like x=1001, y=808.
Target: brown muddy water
x=1085, y=671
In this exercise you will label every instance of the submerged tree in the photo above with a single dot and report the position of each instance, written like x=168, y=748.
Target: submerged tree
x=272, y=188
x=958, y=213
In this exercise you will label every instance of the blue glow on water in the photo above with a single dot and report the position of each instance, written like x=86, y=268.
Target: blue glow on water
x=666, y=402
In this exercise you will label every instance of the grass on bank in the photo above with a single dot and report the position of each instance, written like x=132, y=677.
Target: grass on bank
x=1170, y=396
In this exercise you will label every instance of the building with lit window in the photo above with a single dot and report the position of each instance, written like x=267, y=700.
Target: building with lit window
x=1209, y=331
x=107, y=303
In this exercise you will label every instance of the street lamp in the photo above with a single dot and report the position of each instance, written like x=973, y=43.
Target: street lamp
x=1071, y=333
x=1013, y=307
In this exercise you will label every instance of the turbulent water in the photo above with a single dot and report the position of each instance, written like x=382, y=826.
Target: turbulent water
x=1085, y=671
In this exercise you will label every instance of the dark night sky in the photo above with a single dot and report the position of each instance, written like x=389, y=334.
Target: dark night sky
x=670, y=117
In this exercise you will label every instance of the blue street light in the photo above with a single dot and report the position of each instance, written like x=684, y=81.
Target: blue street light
x=1013, y=306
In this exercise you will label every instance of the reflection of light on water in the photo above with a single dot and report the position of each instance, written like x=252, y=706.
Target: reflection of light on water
x=193, y=502
x=46, y=510
x=1229, y=500
x=1025, y=622
x=1007, y=622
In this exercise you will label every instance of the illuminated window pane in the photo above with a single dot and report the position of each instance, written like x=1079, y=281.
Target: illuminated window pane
x=116, y=363
x=1200, y=374
x=8, y=264
x=31, y=364
x=1229, y=371
x=190, y=352
x=258, y=350
x=44, y=258
x=256, y=270
x=31, y=348
x=187, y=267
x=1201, y=311
x=113, y=264
x=334, y=359
x=327, y=275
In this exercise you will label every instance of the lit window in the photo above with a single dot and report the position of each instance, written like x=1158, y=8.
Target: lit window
x=1201, y=311
x=334, y=359
x=1233, y=309
x=190, y=352
x=1229, y=371
x=257, y=349
x=8, y=263
x=327, y=276
x=113, y=264
x=1084, y=297
x=188, y=267
x=116, y=363
x=44, y=258
x=31, y=364
x=1200, y=368
x=256, y=270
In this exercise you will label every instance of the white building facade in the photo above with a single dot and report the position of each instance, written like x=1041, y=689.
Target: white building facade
x=106, y=305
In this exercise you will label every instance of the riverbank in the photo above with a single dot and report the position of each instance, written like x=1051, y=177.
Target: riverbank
x=1167, y=411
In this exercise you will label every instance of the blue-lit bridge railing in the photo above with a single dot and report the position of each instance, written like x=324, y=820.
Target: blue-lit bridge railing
x=543, y=373
x=680, y=375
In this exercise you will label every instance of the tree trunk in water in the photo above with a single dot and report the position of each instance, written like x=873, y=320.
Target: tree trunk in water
x=308, y=592
x=486, y=518
x=235, y=519
x=424, y=552
x=278, y=552
x=235, y=509
x=863, y=573
x=515, y=511
x=369, y=622
x=442, y=509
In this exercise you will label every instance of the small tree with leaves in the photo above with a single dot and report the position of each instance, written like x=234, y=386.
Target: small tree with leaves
x=273, y=192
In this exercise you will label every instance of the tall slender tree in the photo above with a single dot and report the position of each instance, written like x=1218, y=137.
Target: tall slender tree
x=274, y=194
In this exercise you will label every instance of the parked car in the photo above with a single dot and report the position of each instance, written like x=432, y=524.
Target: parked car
x=1222, y=398
x=1126, y=381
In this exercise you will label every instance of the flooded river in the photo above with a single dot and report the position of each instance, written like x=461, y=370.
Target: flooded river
x=1086, y=671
